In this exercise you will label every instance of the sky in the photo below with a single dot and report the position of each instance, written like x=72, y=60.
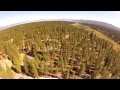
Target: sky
x=12, y=17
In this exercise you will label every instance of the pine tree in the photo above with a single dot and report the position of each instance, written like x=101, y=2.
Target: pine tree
x=82, y=69
x=16, y=63
x=68, y=74
x=33, y=69
x=26, y=64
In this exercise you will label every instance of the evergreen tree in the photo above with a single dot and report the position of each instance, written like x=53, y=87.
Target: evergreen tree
x=67, y=74
x=26, y=64
x=82, y=69
x=33, y=69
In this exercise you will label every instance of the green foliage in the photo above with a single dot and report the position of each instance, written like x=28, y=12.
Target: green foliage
x=68, y=74
x=26, y=64
x=82, y=69
x=33, y=69
x=30, y=67
x=59, y=46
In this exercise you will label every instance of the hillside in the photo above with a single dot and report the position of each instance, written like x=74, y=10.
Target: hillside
x=98, y=23
x=111, y=33
x=105, y=28
x=59, y=49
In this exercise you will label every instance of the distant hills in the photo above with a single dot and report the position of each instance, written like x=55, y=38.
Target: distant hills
x=98, y=23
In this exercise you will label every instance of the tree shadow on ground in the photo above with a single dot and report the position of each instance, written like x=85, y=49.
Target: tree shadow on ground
x=14, y=69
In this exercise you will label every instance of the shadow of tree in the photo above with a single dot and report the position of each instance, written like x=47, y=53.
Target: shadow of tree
x=14, y=69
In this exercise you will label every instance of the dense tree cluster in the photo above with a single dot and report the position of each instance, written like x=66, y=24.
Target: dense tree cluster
x=60, y=49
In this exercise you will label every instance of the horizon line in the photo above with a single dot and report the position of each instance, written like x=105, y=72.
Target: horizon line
x=62, y=19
